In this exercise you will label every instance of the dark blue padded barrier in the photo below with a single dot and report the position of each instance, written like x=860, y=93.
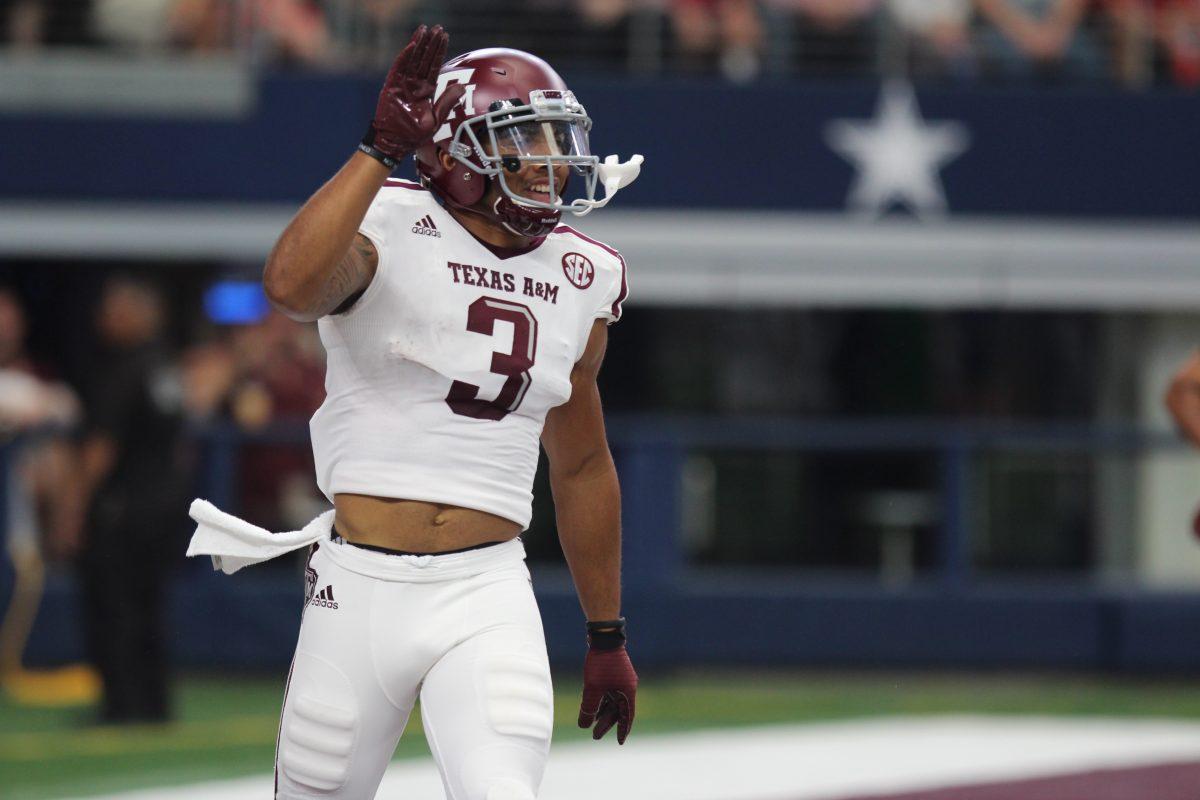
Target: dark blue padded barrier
x=743, y=616
x=1060, y=152
x=248, y=623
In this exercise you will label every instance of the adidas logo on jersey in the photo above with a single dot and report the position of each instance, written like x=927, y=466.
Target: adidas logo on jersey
x=425, y=227
x=324, y=598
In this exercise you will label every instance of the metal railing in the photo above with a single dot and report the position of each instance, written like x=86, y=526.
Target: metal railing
x=767, y=614
x=652, y=453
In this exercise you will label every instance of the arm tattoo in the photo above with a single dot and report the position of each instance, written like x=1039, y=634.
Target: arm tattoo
x=349, y=279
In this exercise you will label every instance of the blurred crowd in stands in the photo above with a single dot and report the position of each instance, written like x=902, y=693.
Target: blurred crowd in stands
x=264, y=372
x=103, y=467
x=1132, y=43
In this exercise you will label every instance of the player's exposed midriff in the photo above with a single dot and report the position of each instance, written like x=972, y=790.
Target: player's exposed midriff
x=416, y=526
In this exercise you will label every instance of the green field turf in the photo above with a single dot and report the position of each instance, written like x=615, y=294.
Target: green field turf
x=226, y=726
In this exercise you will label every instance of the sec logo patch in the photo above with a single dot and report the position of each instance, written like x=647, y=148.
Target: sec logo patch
x=579, y=270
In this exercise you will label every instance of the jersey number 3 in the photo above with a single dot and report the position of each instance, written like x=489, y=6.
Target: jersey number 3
x=481, y=318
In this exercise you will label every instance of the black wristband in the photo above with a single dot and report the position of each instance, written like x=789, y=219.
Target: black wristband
x=606, y=634
x=367, y=146
x=386, y=160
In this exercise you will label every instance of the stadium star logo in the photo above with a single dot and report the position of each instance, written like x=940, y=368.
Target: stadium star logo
x=898, y=155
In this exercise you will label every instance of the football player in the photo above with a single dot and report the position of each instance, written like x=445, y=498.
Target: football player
x=1183, y=403
x=1183, y=398
x=463, y=324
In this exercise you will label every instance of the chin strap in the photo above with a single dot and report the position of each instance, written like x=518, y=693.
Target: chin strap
x=615, y=175
x=536, y=225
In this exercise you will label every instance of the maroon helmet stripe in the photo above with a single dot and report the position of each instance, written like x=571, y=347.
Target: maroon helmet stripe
x=616, y=306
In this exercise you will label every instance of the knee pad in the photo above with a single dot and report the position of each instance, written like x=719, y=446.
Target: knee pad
x=506, y=789
x=320, y=726
x=500, y=771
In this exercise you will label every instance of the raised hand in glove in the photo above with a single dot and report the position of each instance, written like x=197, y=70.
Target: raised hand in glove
x=609, y=683
x=406, y=116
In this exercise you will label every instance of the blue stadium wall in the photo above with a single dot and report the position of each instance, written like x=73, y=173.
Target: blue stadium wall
x=1069, y=153
x=1060, y=153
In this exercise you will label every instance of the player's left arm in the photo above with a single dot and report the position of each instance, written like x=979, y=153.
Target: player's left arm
x=587, y=499
x=583, y=479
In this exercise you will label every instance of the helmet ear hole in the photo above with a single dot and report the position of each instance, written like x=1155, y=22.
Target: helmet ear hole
x=465, y=187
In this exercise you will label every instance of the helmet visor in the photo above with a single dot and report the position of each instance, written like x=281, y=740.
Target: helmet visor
x=542, y=138
x=531, y=150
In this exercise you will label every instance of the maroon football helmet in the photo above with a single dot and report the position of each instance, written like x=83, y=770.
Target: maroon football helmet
x=516, y=110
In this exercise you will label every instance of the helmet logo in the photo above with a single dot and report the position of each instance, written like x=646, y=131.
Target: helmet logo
x=578, y=269
x=462, y=76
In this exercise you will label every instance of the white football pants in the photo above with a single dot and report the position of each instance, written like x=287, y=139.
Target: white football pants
x=462, y=631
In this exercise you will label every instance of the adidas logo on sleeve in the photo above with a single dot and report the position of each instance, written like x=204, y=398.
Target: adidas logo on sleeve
x=324, y=598
x=425, y=227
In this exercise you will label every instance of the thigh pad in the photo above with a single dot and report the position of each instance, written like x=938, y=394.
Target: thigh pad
x=517, y=693
x=320, y=726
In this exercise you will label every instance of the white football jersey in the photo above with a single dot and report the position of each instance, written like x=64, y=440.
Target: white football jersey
x=440, y=376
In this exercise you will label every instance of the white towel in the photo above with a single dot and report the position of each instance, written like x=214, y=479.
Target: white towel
x=234, y=543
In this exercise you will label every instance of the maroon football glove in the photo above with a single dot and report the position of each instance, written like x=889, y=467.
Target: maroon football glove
x=406, y=116
x=609, y=685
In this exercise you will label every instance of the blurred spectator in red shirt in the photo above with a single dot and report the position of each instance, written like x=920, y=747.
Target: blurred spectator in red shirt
x=727, y=34
x=1157, y=40
x=1177, y=32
